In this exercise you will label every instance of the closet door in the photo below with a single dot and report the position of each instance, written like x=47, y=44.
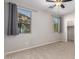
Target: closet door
x=70, y=32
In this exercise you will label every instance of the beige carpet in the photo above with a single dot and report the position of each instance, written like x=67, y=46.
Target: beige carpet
x=59, y=50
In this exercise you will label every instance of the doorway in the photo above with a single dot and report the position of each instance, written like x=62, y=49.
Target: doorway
x=70, y=33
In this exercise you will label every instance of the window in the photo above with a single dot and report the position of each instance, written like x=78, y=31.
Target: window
x=24, y=20
x=56, y=24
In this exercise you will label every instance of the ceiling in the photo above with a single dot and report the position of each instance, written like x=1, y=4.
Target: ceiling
x=43, y=5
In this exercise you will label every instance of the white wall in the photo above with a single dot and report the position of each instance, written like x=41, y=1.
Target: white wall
x=68, y=20
x=42, y=32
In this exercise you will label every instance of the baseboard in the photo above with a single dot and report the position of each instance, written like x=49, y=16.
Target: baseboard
x=41, y=44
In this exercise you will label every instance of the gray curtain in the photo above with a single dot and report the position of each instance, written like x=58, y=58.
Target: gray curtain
x=12, y=20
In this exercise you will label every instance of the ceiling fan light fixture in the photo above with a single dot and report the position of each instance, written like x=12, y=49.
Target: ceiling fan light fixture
x=58, y=3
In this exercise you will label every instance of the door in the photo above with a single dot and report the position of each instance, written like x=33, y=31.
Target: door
x=70, y=31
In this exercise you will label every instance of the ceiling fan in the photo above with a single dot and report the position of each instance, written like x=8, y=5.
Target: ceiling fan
x=58, y=3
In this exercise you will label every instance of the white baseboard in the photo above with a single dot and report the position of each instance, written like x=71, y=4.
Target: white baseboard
x=41, y=44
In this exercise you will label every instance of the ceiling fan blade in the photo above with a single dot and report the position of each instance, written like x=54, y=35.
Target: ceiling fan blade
x=50, y=1
x=52, y=6
x=58, y=0
x=62, y=6
x=53, y=0
x=66, y=0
